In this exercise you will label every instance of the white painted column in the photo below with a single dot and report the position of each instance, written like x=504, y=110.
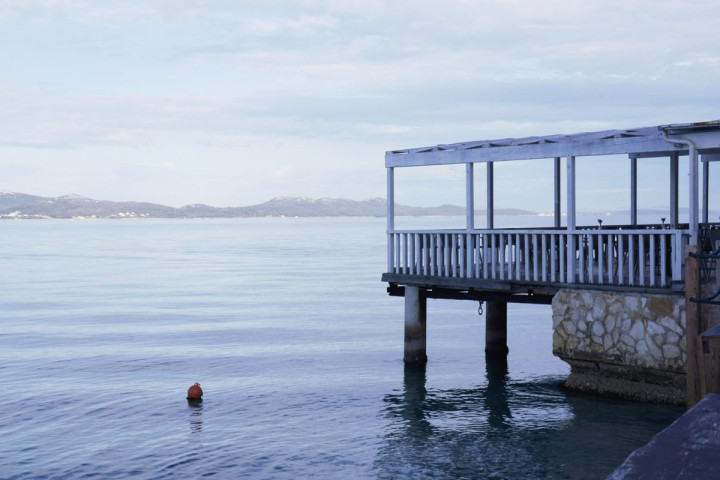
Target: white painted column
x=390, y=218
x=571, y=219
x=571, y=192
x=693, y=203
x=674, y=195
x=707, y=158
x=558, y=206
x=633, y=191
x=470, y=196
x=490, y=197
x=706, y=186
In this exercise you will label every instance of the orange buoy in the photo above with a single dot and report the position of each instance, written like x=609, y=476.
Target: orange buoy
x=195, y=392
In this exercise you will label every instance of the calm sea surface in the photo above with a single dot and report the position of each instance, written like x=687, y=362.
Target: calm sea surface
x=285, y=323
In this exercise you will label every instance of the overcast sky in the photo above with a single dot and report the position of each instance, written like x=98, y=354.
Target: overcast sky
x=234, y=102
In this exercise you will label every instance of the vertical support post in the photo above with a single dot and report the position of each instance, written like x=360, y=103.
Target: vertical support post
x=470, y=196
x=558, y=206
x=693, y=203
x=706, y=189
x=674, y=195
x=633, y=191
x=490, y=197
x=390, y=218
x=571, y=192
x=571, y=219
x=496, y=328
x=692, y=325
x=415, y=326
x=469, y=217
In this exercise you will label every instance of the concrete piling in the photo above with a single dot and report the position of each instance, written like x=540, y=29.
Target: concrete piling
x=496, y=328
x=415, y=326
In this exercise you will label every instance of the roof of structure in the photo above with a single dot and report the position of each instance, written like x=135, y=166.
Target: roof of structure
x=638, y=142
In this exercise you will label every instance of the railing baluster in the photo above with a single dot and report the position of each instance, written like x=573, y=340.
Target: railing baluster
x=510, y=255
x=562, y=250
x=518, y=257
x=438, y=255
x=612, y=251
x=398, y=260
x=493, y=249
x=468, y=256
x=453, y=255
x=553, y=257
x=411, y=254
x=442, y=260
x=423, y=255
x=396, y=256
x=631, y=258
x=591, y=256
x=433, y=260
x=418, y=254
x=544, y=257
x=405, y=249
x=446, y=254
x=652, y=260
x=428, y=253
x=526, y=255
x=487, y=256
x=621, y=258
x=477, y=246
x=501, y=256
x=663, y=260
x=581, y=241
x=534, y=254
x=677, y=246
x=478, y=257
x=602, y=246
x=641, y=260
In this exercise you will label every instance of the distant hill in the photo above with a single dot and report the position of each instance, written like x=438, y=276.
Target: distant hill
x=21, y=205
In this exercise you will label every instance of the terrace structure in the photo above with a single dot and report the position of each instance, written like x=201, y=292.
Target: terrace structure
x=616, y=290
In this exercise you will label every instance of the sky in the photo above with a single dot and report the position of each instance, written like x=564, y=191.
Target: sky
x=231, y=103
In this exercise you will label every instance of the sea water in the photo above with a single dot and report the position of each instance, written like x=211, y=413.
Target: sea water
x=298, y=348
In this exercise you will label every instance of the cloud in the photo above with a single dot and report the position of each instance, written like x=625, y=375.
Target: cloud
x=312, y=86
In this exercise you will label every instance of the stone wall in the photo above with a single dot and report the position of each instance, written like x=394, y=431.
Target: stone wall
x=628, y=344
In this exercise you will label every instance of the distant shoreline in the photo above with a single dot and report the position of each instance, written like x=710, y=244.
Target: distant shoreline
x=20, y=206
x=15, y=206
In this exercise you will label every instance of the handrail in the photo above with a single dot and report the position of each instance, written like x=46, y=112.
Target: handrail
x=708, y=300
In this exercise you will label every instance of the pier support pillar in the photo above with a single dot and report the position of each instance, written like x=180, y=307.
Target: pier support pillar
x=496, y=328
x=415, y=326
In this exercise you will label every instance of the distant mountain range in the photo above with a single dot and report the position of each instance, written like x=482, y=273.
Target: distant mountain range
x=21, y=205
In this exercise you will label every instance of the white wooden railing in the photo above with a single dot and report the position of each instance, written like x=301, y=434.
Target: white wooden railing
x=636, y=258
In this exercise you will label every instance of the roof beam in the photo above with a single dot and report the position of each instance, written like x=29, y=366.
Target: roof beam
x=640, y=143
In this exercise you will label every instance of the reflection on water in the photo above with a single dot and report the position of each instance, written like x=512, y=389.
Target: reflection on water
x=507, y=429
x=496, y=368
x=412, y=407
x=196, y=421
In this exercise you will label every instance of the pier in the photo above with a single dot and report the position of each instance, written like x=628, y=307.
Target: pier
x=617, y=291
